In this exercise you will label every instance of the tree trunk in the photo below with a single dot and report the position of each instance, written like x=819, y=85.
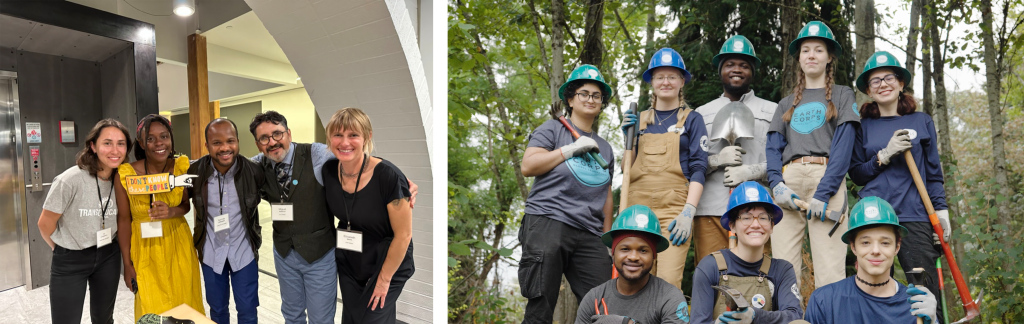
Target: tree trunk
x=915, y=19
x=543, y=52
x=645, y=97
x=593, y=47
x=993, y=85
x=557, y=49
x=791, y=24
x=926, y=66
x=864, y=17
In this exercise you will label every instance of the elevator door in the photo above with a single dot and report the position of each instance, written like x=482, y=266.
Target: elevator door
x=12, y=188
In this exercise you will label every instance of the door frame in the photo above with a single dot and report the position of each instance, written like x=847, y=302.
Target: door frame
x=20, y=204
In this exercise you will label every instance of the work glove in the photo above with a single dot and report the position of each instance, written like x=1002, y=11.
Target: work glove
x=922, y=303
x=582, y=145
x=816, y=209
x=899, y=142
x=784, y=196
x=736, y=175
x=628, y=119
x=729, y=156
x=737, y=317
x=680, y=227
x=610, y=319
x=944, y=222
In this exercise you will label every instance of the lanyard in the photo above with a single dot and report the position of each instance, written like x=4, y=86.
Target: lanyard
x=220, y=183
x=285, y=186
x=355, y=191
x=110, y=194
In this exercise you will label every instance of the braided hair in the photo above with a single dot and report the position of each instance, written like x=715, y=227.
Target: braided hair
x=798, y=91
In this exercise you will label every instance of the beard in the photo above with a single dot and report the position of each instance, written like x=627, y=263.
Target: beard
x=645, y=270
x=742, y=88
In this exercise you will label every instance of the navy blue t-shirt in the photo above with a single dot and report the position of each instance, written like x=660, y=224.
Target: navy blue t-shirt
x=893, y=182
x=693, y=142
x=843, y=302
x=781, y=280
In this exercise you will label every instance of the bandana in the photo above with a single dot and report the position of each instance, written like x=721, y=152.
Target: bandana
x=647, y=237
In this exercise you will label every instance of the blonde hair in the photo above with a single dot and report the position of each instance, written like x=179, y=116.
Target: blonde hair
x=354, y=119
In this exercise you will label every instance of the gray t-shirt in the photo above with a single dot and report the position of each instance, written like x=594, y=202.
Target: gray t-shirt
x=658, y=302
x=74, y=196
x=574, y=192
x=804, y=133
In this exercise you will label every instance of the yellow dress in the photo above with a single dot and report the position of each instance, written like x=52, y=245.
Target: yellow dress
x=167, y=267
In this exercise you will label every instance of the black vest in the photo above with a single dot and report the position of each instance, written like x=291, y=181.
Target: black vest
x=311, y=231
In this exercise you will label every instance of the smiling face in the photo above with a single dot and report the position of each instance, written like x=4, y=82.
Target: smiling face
x=752, y=226
x=666, y=82
x=222, y=143
x=875, y=249
x=111, y=147
x=348, y=144
x=885, y=93
x=586, y=106
x=814, y=56
x=158, y=142
x=267, y=142
x=737, y=74
x=633, y=258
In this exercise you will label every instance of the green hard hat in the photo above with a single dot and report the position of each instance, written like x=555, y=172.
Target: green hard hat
x=736, y=45
x=586, y=72
x=879, y=60
x=872, y=211
x=638, y=218
x=815, y=29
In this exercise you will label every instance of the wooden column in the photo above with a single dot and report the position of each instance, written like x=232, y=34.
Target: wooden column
x=199, y=112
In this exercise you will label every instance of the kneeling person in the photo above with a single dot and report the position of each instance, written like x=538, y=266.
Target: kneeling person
x=874, y=237
x=769, y=284
x=635, y=296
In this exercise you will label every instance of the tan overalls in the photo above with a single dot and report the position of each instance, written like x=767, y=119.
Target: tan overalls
x=756, y=290
x=656, y=180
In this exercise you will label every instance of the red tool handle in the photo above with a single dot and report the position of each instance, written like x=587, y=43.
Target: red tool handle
x=575, y=135
x=961, y=286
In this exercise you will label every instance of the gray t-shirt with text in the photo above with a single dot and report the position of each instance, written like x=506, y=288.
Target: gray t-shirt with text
x=74, y=196
x=658, y=302
x=808, y=133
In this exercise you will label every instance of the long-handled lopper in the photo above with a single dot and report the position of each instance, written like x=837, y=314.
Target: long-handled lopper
x=970, y=306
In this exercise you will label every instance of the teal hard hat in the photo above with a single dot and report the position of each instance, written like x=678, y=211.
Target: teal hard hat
x=815, y=29
x=586, y=72
x=638, y=218
x=881, y=59
x=747, y=193
x=666, y=57
x=736, y=45
x=872, y=211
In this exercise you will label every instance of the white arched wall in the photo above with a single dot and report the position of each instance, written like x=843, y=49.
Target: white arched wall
x=365, y=54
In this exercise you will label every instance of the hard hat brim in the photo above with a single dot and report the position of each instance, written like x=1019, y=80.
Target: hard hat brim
x=607, y=239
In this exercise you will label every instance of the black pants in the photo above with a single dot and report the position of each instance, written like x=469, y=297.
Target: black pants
x=917, y=251
x=551, y=249
x=355, y=295
x=71, y=270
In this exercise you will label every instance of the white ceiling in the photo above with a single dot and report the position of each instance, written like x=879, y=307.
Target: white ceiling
x=30, y=36
x=246, y=34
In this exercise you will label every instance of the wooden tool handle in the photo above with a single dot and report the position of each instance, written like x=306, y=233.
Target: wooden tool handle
x=801, y=204
x=575, y=135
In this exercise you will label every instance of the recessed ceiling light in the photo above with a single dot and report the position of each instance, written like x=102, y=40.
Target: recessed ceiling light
x=184, y=8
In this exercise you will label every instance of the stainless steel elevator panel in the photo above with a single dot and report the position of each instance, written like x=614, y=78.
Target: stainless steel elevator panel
x=13, y=223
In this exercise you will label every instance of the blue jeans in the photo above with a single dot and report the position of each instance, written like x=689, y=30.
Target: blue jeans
x=307, y=287
x=243, y=282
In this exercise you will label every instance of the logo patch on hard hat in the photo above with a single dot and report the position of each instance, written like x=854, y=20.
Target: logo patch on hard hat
x=871, y=212
x=704, y=143
x=752, y=193
x=813, y=30
x=882, y=59
x=737, y=46
x=912, y=133
x=592, y=73
x=666, y=58
x=757, y=301
x=641, y=220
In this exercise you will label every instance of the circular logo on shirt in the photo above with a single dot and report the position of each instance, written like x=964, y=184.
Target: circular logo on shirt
x=677, y=129
x=758, y=301
x=704, y=143
x=666, y=58
x=808, y=117
x=641, y=220
x=813, y=30
x=752, y=194
x=912, y=133
x=587, y=171
x=871, y=212
x=796, y=292
x=683, y=312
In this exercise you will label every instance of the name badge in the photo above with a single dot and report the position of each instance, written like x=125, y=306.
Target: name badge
x=281, y=212
x=152, y=229
x=220, y=223
x=103, y=237
x=350, y=240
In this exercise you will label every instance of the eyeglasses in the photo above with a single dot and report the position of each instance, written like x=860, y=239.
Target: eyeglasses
x=877, y=82
x=671, y=77
x=277, y=135
x=747, y=219
x=583, y=96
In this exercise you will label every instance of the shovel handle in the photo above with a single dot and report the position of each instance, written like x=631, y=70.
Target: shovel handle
x=575, y=135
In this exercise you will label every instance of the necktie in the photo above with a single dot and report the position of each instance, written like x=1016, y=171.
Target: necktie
x=282, y=173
